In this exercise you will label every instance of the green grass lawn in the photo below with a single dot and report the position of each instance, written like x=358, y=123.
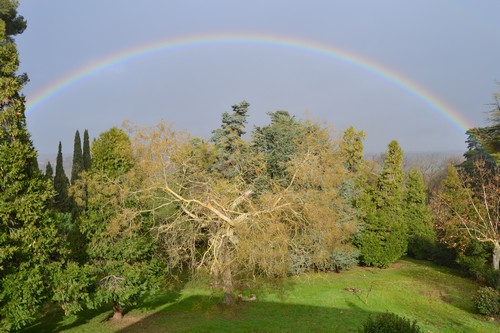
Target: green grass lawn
x=434, y=296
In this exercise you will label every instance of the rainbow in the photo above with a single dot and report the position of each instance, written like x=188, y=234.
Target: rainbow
x=413, y=88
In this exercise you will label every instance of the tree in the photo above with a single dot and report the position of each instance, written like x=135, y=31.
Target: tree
x=28, y=241
x=468, y=208
x=61, y=184
x=278, y=141
x=122, y=263
x=421, y=235
x=87, y=160
x=49, y=172
x=221, y=226
x=77, y=165
x=228, y=139
x=384, y=237
x=351, y=148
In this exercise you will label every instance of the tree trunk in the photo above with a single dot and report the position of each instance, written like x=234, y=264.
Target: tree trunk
x=227, y=280
x=117, y=311
x=496, y=256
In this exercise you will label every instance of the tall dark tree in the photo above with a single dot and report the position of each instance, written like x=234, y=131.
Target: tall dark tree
x=49, y=172
x=384, y=238
x=61, y=184
x=421, y=235
x=87, y=160
x=77, y=165
x=229, y=142
x=27, y=232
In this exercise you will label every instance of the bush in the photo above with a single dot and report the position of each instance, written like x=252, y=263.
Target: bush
x=344, y=259
x=492, y=279
x=390, y=323
x=487, y=301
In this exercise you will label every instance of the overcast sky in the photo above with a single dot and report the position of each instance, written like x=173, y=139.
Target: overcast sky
x=449, y=47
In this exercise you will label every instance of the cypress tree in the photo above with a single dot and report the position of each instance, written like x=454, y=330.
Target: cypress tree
x=87, y=160
x=49, y=172
x=61, y=184
x=27, y=233
x=77, y=166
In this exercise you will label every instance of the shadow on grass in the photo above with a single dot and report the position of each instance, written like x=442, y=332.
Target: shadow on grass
x=444, y=283
x=55, y=321
x=206, y=314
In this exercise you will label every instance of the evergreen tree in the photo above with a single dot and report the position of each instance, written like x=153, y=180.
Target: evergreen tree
x=49, y=172
x=61, y=184
x=421, y=235
x=121, y=251
x=384, y=238
x=87, y=160
x=228, y=140
x=351, y=148
x=77, y=166
x=28, y=239
x=279, y=141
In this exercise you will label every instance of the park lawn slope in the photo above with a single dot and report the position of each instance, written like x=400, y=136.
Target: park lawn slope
x=439, y=299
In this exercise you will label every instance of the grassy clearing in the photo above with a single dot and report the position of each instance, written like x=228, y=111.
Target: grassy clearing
x=436, y=297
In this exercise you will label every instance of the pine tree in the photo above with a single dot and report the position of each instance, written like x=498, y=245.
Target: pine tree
x=61, y=184
x=87, y=160
x=421, y=235
x=77, y=166
x=384, y=238
x=28, y=239
x=228, y=140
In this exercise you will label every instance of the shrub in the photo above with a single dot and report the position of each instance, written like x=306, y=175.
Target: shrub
x=492, y=279
x=390, y=323
x=487, y=301
x=344, y=259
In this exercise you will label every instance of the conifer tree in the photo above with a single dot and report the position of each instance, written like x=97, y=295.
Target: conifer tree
x=27, y=233
x=384, y=238
x=421, y=236
x=61, y=184
x=87, y=160
x=49, y=172
x=228, y=140
x=77, y=166
x=352, y=148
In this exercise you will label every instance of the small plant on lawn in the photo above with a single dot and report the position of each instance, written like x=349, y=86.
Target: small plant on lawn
x=487, y=301
x=390, y=323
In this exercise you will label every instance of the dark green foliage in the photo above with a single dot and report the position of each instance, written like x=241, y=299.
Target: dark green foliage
x=390, y=323
x=228, y=140
x=492, y=278
x=61, y=184
x=383, y=239
x=487, y=301
x=278, y=141
x=77, y=165
x=121, y=263
x=474, y=259
x=49, y=172
x=421, y=236
x=28, y=237
x=87, y=159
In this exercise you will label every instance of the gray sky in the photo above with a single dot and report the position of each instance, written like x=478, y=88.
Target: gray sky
x=449, y=47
